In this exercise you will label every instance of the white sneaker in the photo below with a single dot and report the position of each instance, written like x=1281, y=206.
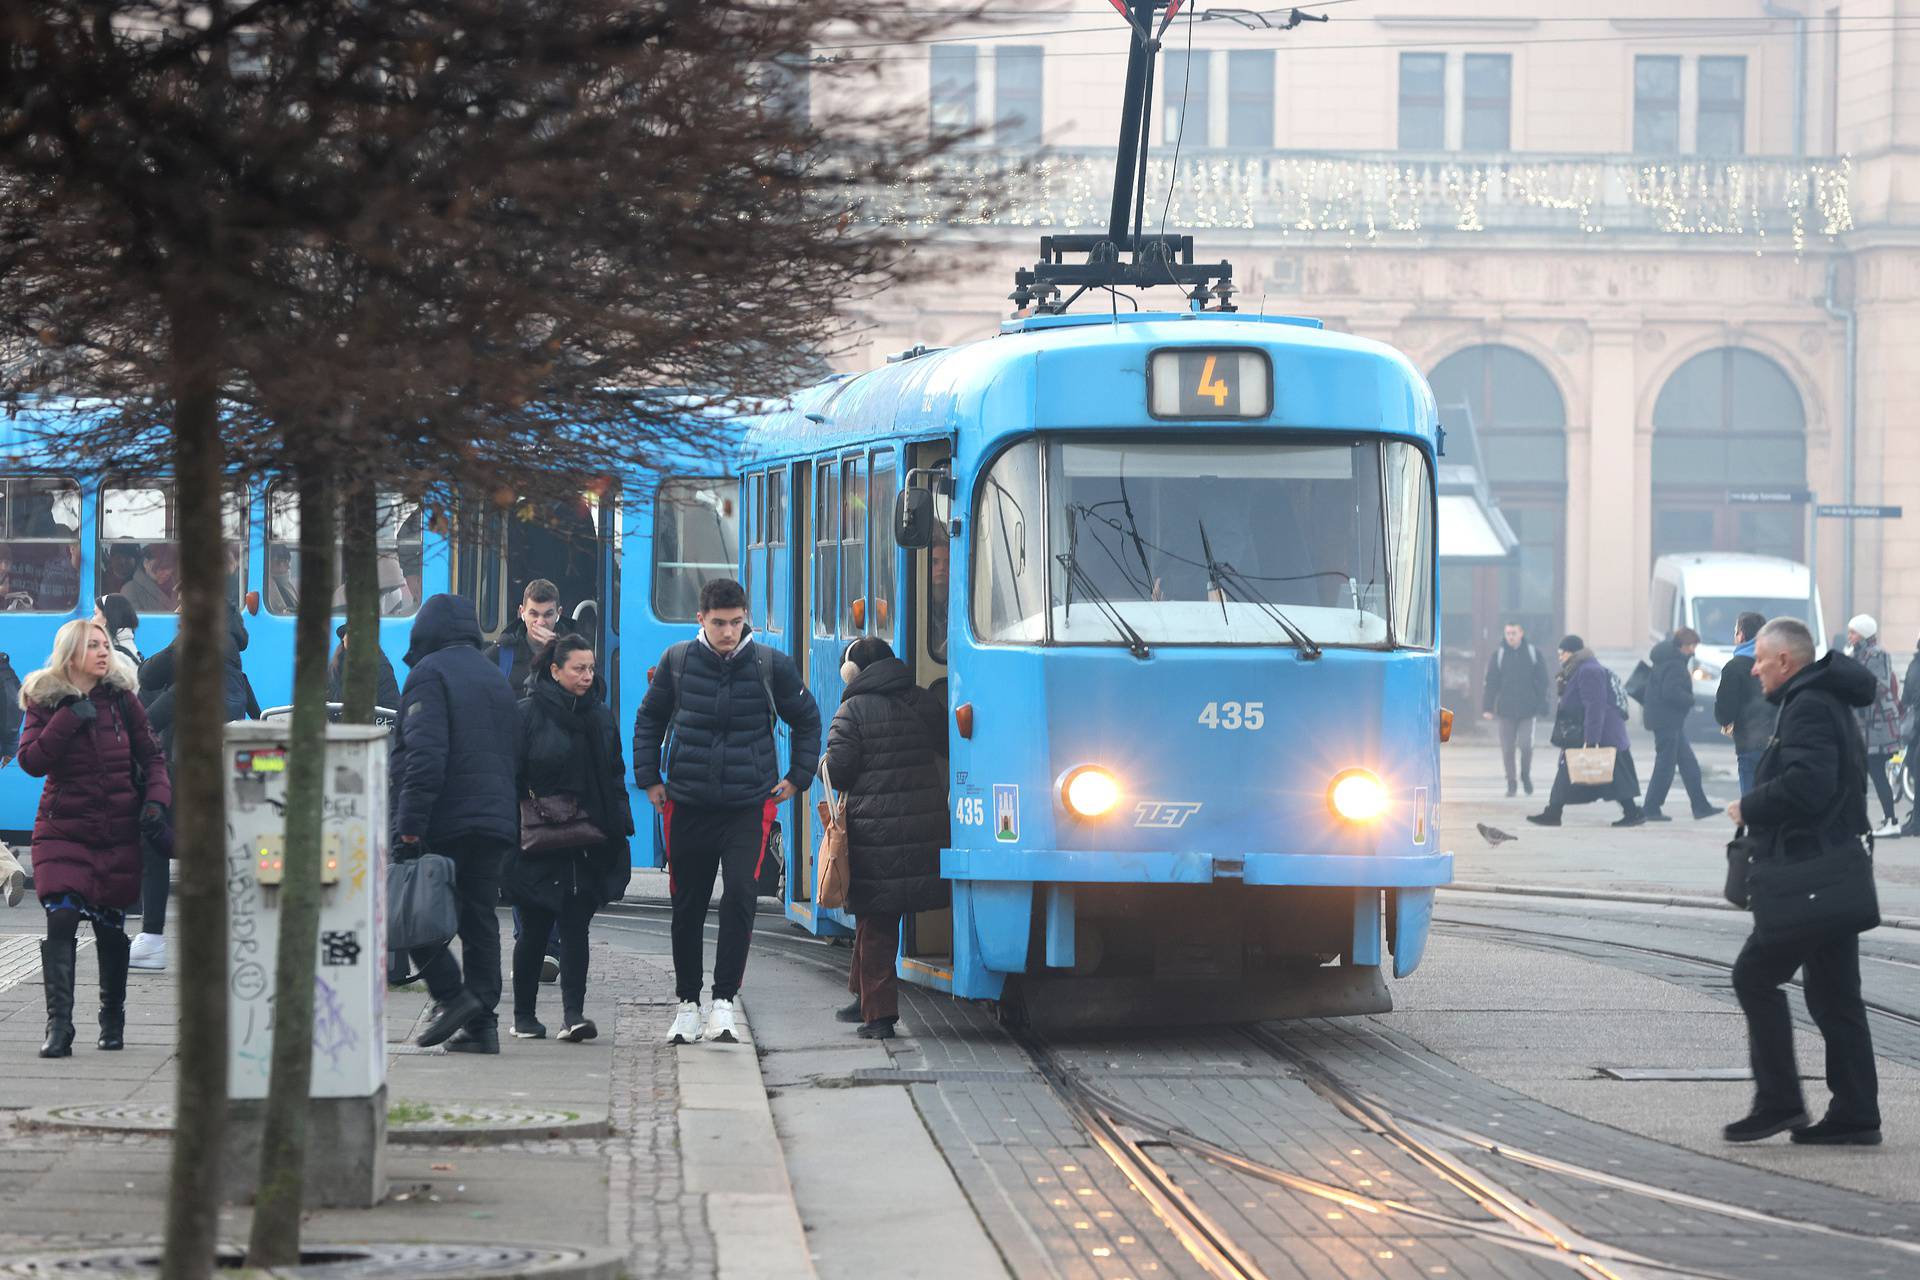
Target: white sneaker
x=1887, y=832
x=149, y=951
x=16, y=886
x=720, y=1023
x=686, y=1024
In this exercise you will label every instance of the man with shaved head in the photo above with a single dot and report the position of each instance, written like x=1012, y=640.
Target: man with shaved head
x=1808, y=799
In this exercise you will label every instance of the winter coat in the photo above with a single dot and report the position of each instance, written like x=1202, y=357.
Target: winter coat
x=452, y=765
x=159, y=673
x=1811, y=785
x=513, y=654
x=1585, y=684
x=386, y=688
x=887, y=750
x=1669, y=689
x=1741, y=702
x=86, y=834
x=1880, y=717
x=1516, y=684
x=721, y=751
x=571, y=746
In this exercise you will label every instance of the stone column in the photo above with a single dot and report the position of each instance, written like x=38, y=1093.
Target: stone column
x=1612, y=527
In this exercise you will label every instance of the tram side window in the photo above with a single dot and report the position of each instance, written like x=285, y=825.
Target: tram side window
x=397, y=538
x=853, y=542
x=1009, y=550
x=884, y=551
x=826, y=547
x=40, y=554
x=753, y=516
x=139, y=555
x=696, y=538
x=1410, y=544
x=775, y=527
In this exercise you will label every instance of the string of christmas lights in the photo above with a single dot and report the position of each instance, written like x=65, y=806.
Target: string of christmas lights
x=1369, y=199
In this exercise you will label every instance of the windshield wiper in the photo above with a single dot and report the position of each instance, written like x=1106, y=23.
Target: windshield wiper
x=1136, y=645
x=1230, y=580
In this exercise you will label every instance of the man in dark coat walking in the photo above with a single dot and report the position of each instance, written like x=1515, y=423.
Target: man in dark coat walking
x=887, y=750
x=451, y=777
x=1669, y=700
x=1740, y=705
x=1515, y=693
x=704, y=753
x=1808, y=798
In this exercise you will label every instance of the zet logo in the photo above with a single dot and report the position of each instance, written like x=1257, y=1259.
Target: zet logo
x=1164, y=815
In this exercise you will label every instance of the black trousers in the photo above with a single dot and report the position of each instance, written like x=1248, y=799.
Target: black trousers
x=1832, y=984
x=155, y=884
x=531, y=947
x=476, y=866
x=1516, y=733
x=1671, y=749
x=1882, y=784
x=699, y=842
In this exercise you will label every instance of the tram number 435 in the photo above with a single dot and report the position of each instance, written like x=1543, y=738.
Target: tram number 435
x=1234, y=715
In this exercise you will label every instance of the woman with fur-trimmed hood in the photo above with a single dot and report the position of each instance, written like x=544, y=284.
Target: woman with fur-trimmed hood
x=87, y=735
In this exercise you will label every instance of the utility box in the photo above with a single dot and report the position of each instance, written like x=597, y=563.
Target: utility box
x=347, y=1115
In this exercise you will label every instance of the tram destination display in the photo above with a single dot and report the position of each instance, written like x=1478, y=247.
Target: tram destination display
x=1209, y=382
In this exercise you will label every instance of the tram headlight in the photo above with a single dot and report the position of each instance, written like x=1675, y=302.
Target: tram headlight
x=1357, y=796
x=1088, y=791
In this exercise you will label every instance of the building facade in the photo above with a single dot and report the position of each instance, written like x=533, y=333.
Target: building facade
x=1652, y=261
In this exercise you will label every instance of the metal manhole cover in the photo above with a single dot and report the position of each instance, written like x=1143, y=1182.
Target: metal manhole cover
x=362, y=1262
x=410, y=1122
x=117, y=1117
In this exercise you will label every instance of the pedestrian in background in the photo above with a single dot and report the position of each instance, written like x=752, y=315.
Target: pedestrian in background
x=88, y=736
x=531, y=631
x=386, y=688
x=704, y=753
x=119, y=619
x=569, y=750
x=1740, y=705
x=452, y=782
x=887, y=750
x=1879, y=719
x=1515, y=692
x=1910, y=738
x=1590, y=714
x=1668, y=702
x=1808, y=799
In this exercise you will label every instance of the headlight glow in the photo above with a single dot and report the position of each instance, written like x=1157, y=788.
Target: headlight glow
x=1089, y=791
x=1357, y=796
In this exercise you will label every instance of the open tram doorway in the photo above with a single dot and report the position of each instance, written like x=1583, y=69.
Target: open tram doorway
x=571, y=542
x=926, y=943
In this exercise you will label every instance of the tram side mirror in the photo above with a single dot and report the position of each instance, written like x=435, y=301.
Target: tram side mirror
x=913, y=519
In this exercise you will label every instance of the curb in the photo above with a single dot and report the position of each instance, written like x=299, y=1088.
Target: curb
x=339, y=1261
x=156, y=1121
x=1645, y=899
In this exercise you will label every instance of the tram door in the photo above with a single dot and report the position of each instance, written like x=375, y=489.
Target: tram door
x=928, y=940
x=800, y=820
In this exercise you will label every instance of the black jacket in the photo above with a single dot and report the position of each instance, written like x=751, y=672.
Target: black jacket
x=1811, y=786
x=571, y=746
x=1669, y=689
x=1516, y=684
x=513, y=654
x=887, y=749
x=386, y=690
x=453, y=766
x=158, y=675
x=1740, y=702
x=721, y=752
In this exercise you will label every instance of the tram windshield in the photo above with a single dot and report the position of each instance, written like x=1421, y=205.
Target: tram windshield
x=1205, y=542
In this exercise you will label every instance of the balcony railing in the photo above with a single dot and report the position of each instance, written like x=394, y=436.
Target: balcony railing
x=1773, y=202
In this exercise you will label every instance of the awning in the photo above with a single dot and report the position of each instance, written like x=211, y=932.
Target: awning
x=1471, y=531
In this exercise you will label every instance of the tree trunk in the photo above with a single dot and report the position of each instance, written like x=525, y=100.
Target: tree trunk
x=275, y=1240
x=360, y=556
x=199, y=801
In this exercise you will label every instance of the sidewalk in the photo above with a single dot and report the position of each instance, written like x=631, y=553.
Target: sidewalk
x=1682, y=857
x=666, y=1155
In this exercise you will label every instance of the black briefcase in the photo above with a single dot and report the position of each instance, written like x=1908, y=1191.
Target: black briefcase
x=1826, y=896
x=1742, y=851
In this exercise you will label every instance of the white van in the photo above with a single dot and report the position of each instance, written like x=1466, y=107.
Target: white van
x=1709, y=590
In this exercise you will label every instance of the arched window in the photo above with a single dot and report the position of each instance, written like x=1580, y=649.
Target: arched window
x=1727, y=419
x=1504, y=414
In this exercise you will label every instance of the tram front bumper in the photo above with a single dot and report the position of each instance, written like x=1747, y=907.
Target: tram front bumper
x=1328, y=870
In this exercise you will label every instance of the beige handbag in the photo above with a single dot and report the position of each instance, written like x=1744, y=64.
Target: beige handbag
x=832, y=873
x=1590, y=766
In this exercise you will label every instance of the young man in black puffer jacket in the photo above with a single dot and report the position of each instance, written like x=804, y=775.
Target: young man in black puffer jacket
x=887, y=749
x=704, y=753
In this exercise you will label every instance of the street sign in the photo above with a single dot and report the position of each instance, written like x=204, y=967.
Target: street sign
x=1854, y=511
x=1770, y=497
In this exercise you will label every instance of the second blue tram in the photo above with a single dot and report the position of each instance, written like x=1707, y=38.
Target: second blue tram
x=1180, y=595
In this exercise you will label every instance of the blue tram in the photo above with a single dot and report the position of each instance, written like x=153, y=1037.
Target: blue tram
x=1176, y=576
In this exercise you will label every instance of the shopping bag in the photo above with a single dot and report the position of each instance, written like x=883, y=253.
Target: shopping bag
x=1590, y=766
x=832, y=874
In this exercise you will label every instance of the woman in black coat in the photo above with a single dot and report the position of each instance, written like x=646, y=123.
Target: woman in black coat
x=570, y=750
x=887, y=750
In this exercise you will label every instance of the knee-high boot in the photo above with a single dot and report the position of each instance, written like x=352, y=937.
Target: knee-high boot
x=56, y=976
x=112, y=946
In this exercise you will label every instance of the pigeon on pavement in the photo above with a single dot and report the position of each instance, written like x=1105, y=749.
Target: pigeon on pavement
x=1493, y=835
